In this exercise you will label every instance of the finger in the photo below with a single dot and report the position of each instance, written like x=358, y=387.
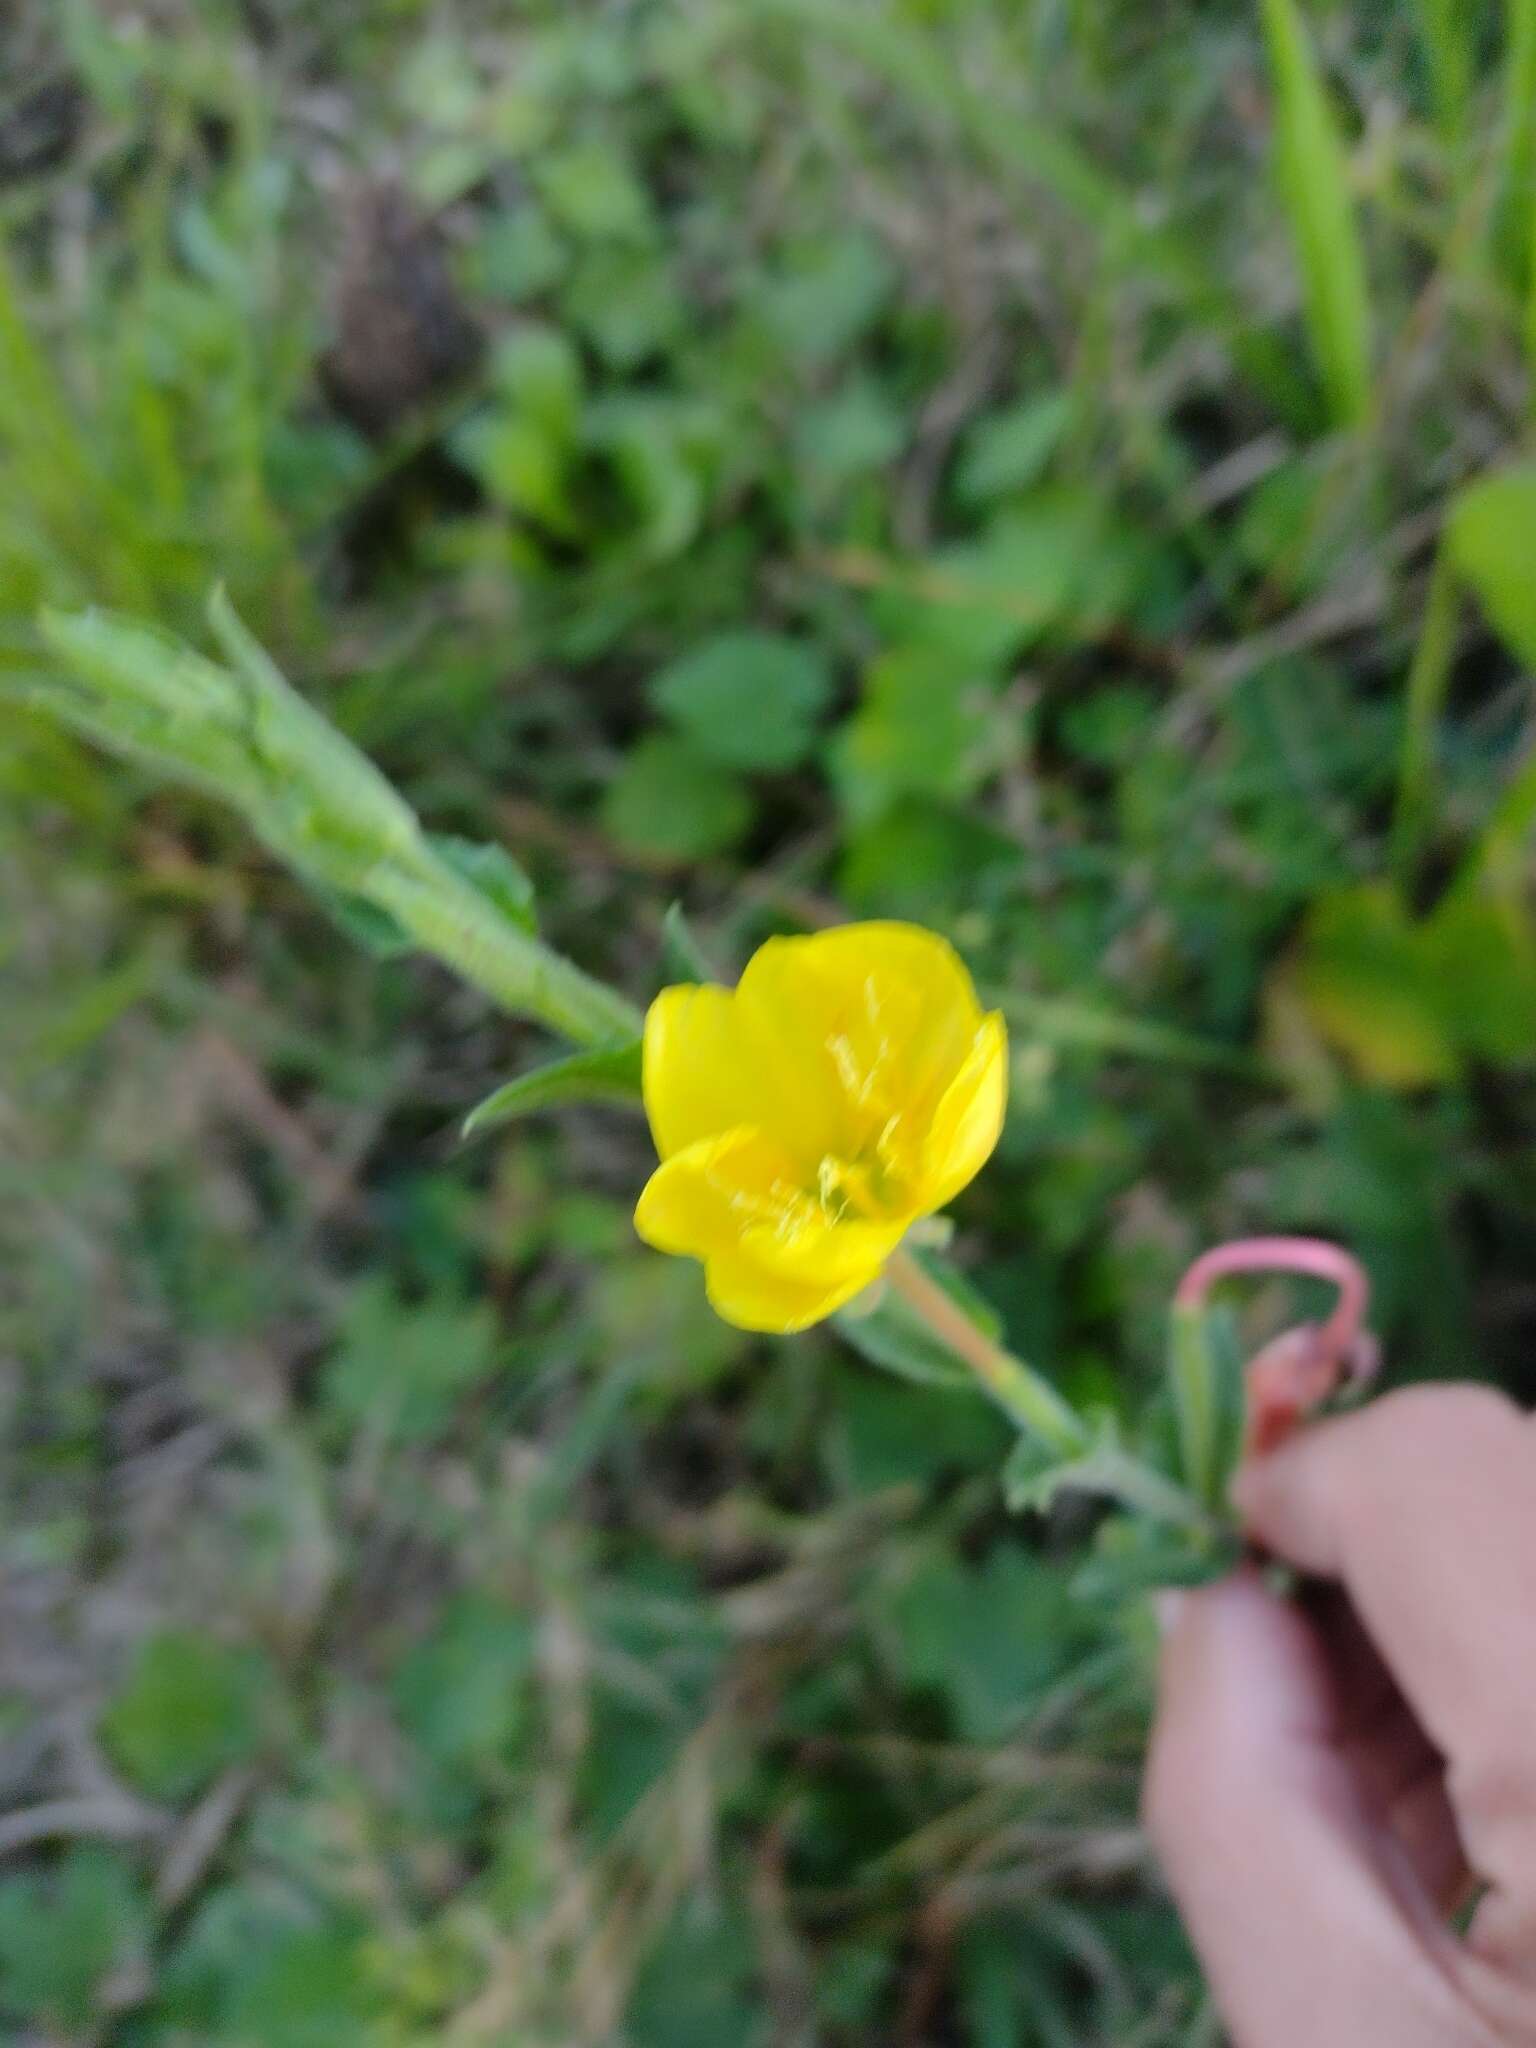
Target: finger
x=1303, y=1911
x=1399, y=1769
x=1424, y=1507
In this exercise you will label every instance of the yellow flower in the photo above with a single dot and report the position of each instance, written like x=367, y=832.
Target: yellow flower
x=847, y=1086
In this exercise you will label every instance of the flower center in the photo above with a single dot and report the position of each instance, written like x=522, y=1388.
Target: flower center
x=865, y=1189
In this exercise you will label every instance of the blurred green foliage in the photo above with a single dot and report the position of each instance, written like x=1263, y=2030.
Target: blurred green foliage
x=1053, y=471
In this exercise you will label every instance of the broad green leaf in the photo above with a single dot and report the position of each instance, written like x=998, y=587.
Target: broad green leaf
x=64, y=1935
x=538, y=370
x=669, y=801
x=885, y=1431
x=747, y=700
x=310, y=1988
x=647, y=446
x=1490, y=534
x=926, y=727
x=1008, y=451
x=400, y=1369
x=1314, y=184
x=461, y=1693
x=831, y=294
x=190, y=1707
x=592, y=191
x=1481, y=949
x=611, y=1076
x=1056, y=564
x=1371, y=984
x=988, y=1640
x=1133, y=1556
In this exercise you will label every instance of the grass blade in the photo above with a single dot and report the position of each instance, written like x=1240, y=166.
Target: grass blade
x=1518, y=169
x=1428, y=681
x=1444, y=31
x=1314, y=183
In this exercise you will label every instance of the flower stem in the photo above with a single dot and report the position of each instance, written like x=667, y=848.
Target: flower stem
x=1027, y=1399
x=1035, y=1407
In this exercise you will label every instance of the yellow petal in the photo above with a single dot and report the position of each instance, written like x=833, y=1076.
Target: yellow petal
x=969, y=1118
x=706, y=1197
x=754, y=1298
x=774, y=1261
x=697, y=1082
x=815, y=1253
x=860, y=1028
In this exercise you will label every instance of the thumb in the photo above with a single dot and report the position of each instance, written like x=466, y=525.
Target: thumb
x=1302, y=1912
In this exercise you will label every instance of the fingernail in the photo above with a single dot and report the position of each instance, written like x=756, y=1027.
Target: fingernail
x=1167, y=1606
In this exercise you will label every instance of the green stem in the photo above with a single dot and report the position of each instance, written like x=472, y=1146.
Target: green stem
x=453, y=921
x=1034, y=1405
x=1027, y=1399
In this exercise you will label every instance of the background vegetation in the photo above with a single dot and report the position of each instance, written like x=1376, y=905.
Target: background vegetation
x=1022, y=465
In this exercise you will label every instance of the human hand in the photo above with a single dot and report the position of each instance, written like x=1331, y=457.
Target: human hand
x=1332, y=1778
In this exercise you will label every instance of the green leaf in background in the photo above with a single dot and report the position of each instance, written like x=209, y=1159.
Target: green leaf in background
x=1371, y=984
x=832, y=292
x=697, y=1987
x=683, y=956
x=67, y=1936
x=190, y=1707
x=671, y=802
x=989, y=1640
x=1481, y=948
x=399, y=1368
x=1490, y=534
x=925, y=728
x=1054, y=563
x=1313, y=173
x=592, y=192
x=747, y=700
x=584, y=1077
x=649, y=450
x=1007, y=451
x=258, y=1964
x=309, y=1988
x=898, y=1432
x=461, y=1694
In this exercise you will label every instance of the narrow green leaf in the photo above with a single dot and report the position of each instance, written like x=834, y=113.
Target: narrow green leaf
x=682, y=955
x=492, y=870
x=1428, y=681
x=1034, y=1474
x=1314, y=183
x=1445, y=28
x=1488, y=537
x=243, y=734
x=1518, y=166
x=1206, y=1369
x=612, y=1075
